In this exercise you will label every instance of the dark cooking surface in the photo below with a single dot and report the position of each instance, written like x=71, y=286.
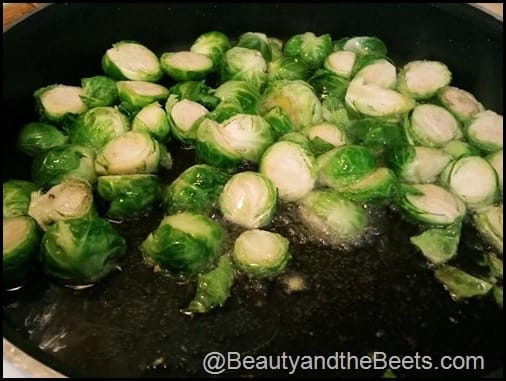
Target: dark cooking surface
x=381, y=297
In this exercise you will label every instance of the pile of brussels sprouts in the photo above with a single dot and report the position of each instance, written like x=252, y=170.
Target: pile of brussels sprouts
x=330, y=127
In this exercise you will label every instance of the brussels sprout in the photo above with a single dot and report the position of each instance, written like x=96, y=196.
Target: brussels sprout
x=439, y=245
x=327, y=84
x=213, y=44
x=131, y=60
x=128, y=154
x=496, y=161
x=64, y=162
x=195, y=190
x=279, y=121
x=297, y=100
x=498, y=295
x=186, y=66
x=334, y=111
x=184, y=117
x=324, y=137
x=276, y=47
x=183, y=243
x=256, y=41
x=344, y=166
x=495, y=265
x=291, y=168
x=460, y=284
x=99, y=91
x=249, y=200
x=485, y=131
x=98, y=126
x=422, y=79
x=417, y=164
x=489, y=222
x=333, y=217
x=152, y=120
x=56, y=102
x=309, y=48
x=244, y=64
x=213, y=288
x=129, y=110
x=462, y=104
x=341, y=63
x=458, y=148
x=196, y=91
x=379, y=72
x=373, y=100
x=364, y=45
x=289, y=68
x=429, y=204
x=72, y=198
x=21, y=240
x=141, y=93
x=261, y=254
x=81, y=251
x=472, y=179
x=298, y=138
x=35, y=138
x=376, y=134
x=377, y=186
x=16, y=196
x=237, y=97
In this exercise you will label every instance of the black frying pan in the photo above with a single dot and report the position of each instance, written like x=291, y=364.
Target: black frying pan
x=379, y=298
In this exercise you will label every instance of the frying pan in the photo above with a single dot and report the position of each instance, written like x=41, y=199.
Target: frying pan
x=382, y=297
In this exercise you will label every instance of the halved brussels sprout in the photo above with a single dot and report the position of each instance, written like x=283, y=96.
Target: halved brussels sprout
x=129, y=195
x=344, y=166
x=141, y=93
x=298, y=138
x=279, y=121
x=98, y=126
x=333, y=217
x=489, y=222
x=256, y=41
x=377, y=186
x=72, y=198
x=184, y=243
x=341, y=63
x=240, y=93
x=81, y=251
x=128, y=154
x=364, y=45
x=152, y=120
x=291, y=168
x=249, y=200
x=35, y=138
x=186, y=66
x=184, y=117
x=459, y=102
x=56, y=102
x=473, y=179
x=324, y=137
x=244, y=64
x=261, y=254
x=289, y=68
x=16, y=197
x=429, y=204
x=458, y=148
x=64, y=162
x=21, y=238
x=309, y=48
x=327, y=84
x=131, y=60
x=99, y=91
x=439, y=245
x=496, y=161
x=485, y=131
x=213, y=44
x=460, y=284
x=196, y=91
x=195, y=190
x=422, y=79
x=380, y=72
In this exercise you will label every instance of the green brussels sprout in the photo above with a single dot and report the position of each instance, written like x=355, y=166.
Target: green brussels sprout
x=35, y=138
x=496, y=161
x=364, y=45
x=291, y=168
x=196, y=91
x=327, y=84
x=128, y=109
x=429, y=204
x=213, y=44
x=458, y=148
x=129, y=154
x=141, y=93
x=64, y=162
x=237, y=97
x=152, y=120
x=99, y=91
x=279, y=121
x=244, y=64
x=81, y=251
x=341, y=63
x=186, y=66
x=378, y=135
x=377, y=186
x=484, y=130
x=98, y=126
x=473, y=179
x=439, y=245
x=344, y=166
x=72, y=198
x=56, y=102
x=380, y=72
x=256, y=41
x=213, y=288
x=129, y=195
x=196, y=190
x=489, y=222
x=249, y=200
x=184, y=243
x=298, y=138
x=276, y=47
x=460, y=284
x=324, y=137
x=16, y=195
x=309, y=48
x=421, y=80
x=184, y=117
x=462, y=104
x=21, y=238
x=332, y=217
x=290, y=68
x=133, y=61
x=297, y=100
x=261, y=254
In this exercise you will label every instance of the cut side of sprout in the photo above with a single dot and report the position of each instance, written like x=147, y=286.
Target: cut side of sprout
x=186, y=66
x=341, y=63
x=424, y=167
x=379, y=185
x=212, y=147
x=324, y=137
x=381, y=73
x=60, y=100
x=422, y=79
x=152, y=120
x=432, y=126
x=459, y=102
x=183, y=117
x=485, y=131
x=141, y=93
